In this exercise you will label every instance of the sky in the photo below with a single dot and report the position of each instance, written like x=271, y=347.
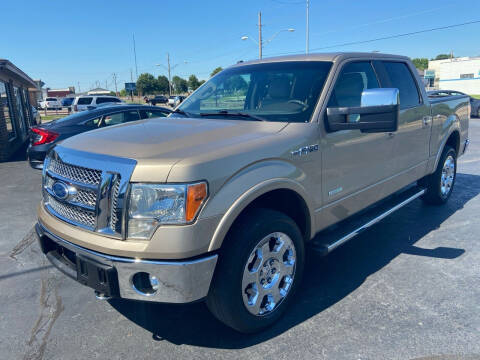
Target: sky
x=83, y=43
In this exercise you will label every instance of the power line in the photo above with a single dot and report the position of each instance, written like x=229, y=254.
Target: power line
x=384, y=37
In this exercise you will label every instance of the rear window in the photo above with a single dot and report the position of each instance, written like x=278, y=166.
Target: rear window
x=402, y=79
x=84, y=101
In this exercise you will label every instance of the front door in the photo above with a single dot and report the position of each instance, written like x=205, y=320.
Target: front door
x=353, y=163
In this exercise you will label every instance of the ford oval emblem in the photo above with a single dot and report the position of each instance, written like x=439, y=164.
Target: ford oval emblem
x=60, y=190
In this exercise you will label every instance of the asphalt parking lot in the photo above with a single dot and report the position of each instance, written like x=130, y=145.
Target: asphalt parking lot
x=408, y=288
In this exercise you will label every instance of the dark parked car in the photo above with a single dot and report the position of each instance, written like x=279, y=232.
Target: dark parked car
x=46, y=136
x=474, y=103
x=67, y=101
x=158, y=99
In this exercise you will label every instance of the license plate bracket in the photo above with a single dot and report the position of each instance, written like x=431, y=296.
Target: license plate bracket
x=96, y=275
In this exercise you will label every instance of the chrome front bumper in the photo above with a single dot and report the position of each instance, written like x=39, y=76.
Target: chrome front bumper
x=177, y=281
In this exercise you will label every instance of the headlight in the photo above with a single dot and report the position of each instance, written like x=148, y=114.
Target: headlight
x=152, y=205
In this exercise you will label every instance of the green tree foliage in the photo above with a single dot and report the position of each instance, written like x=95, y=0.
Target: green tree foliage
x=180, y=85
x=442, y=57
x=216, y=71
x=123, y=92
x=420, y=63
x=162, y=84
x=146, y=84
x=193, y=82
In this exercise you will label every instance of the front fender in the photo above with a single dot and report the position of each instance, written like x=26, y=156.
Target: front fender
x=246, y=186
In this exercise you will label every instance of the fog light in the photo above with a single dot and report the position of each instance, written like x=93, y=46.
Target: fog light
x=145, y=284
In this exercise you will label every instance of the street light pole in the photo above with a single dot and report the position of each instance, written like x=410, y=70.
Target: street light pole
x=169, y=76
x=260, y=44
x=169, y=69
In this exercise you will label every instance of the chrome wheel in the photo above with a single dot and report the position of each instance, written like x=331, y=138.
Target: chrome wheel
x=448, y=175
x=269, y=273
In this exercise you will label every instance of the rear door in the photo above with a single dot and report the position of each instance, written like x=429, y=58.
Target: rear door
x=412, y=140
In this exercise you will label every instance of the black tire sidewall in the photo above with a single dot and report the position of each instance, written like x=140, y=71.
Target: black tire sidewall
x=227, y=283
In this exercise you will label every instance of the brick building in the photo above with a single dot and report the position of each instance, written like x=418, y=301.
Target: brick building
x=15, y=109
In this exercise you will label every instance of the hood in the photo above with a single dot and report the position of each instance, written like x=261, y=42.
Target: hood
x=157, y=144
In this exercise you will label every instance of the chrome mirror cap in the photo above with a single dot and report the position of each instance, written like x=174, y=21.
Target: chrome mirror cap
x=380, y=97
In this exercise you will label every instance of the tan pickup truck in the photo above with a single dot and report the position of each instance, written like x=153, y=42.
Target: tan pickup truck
x=222, y=200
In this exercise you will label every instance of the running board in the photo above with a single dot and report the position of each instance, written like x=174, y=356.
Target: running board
x=328, y=240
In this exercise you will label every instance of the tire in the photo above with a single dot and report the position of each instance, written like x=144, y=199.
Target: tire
x=439, y=185
x=240, y=272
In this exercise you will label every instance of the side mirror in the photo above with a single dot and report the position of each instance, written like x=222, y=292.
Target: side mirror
x=378, y=112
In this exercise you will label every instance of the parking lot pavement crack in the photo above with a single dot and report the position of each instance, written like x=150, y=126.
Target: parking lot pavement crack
x=51, y=307
x=27, y=240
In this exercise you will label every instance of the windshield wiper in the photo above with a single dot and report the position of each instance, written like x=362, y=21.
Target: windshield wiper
x=236, y=114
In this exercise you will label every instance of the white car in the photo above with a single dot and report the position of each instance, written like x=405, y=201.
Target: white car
x=51, y=103
x=171, y=100
x=89, y=102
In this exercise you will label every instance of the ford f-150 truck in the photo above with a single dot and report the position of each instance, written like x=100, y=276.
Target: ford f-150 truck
x=266, y=161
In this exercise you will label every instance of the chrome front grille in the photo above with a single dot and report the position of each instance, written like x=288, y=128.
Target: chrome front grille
x=75, y=173
x=78, y=193
x=70, y=212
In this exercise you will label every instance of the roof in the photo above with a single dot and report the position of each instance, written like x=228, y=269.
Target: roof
x=7, y=65
x=335, y=56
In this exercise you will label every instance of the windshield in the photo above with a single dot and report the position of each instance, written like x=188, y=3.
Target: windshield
x=283, y=91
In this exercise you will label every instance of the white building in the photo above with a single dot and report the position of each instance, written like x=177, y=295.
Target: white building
x=461, y=74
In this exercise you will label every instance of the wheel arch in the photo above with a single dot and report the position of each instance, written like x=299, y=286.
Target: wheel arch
x=284, y=195
x=453, y=140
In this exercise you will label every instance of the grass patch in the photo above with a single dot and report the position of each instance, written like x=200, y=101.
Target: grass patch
x=47, y=118
x=475, y=96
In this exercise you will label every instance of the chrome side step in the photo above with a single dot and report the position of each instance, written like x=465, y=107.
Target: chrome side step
x=327, y=241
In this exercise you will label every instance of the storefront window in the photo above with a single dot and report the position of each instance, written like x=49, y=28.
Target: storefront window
x=20, y=110
x=6, y=110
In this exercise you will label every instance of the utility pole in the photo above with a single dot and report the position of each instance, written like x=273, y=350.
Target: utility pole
x=169, y=76
x=131, y=79
x=106, y=85
x=115, y=81
x=78, y=83
x=135, y=54
x=260, y=44
x=307, y=29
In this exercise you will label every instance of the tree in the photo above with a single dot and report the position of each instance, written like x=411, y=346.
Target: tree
x=146, y=84
x=162, y=84
x=123, y=92
x=216, y=71
x=193, y=82
x=442, y=57
x=180, y=85
x=420, y=63
x=202, y=82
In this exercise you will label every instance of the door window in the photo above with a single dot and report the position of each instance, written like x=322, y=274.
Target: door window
x=147, y=114
x=353, y=80
x=84, y=101
x=401, y=78
x=119, y=118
